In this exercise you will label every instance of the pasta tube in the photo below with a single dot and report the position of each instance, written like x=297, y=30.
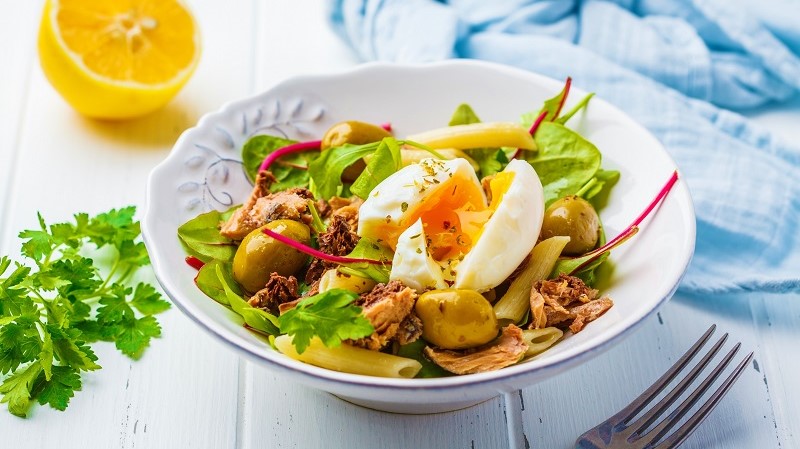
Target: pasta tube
x=334, y=279
x=513, y=305
x=539, y=340
x=477, y=135
x=350, y=359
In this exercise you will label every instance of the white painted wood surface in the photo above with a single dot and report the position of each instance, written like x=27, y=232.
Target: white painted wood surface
x=189, y=391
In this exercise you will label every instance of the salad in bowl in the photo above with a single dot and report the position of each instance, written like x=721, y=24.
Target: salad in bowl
x=394, y=261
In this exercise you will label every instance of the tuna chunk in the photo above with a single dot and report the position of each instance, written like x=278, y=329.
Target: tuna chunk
x=262, y=207
x=278, y=290
x=387, y=307
x=565, y=302
x=506, y=350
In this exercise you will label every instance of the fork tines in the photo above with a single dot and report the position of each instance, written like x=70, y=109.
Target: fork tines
x=627, y=429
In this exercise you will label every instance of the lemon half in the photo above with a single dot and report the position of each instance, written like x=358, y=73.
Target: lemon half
x=117, y=59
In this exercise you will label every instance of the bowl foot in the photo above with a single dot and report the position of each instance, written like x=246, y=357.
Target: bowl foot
x=411, y=408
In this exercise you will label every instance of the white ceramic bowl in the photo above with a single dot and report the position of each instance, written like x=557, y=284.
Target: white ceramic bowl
x=203, y=172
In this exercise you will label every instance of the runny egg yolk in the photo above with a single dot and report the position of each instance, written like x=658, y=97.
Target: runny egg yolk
x=454, y=215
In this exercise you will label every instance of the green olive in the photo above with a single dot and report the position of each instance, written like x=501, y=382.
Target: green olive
x=259, y=255
x=456, y=318
x=574, y=217
x=356, y=133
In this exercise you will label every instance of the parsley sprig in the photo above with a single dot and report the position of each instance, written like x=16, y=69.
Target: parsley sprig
x=60, y=300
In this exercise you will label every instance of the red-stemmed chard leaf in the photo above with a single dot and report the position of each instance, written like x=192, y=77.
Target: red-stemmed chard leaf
x=319, y=254
x=575, y=265
x=387, y=126
x=313, y=145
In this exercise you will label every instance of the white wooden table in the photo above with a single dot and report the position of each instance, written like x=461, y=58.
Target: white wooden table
x=189, y=391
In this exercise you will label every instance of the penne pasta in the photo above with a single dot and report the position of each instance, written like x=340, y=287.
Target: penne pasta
x=539, y=340
x=350, y=359
x=477, y=135
x=516, y=302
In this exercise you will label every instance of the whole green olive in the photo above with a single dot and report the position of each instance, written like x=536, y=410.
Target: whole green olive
x=356, y=133
x=259, y=255
x=574, y=217
x=456, y=318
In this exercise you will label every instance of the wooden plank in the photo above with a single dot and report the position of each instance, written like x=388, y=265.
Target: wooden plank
x=16, y=23
x=183, y=392
x=280, y=413
x=778, y=317
x=560, y=409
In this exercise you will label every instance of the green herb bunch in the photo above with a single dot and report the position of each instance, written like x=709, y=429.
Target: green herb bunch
x=59, y=300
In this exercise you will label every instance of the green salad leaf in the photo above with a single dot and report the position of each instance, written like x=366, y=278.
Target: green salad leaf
x=209, y=282
x=201, y=237
x=581, y=104
x=331, y=316
x=565, y=161
x=597, y=189
x=290, y=170
x=368, y=248
x=384, y=162
x=326, y=170
x=51, y=311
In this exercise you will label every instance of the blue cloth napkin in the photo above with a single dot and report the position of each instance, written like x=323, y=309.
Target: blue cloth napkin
x=676, y=66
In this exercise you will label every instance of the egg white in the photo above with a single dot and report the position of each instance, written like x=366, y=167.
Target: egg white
x=412, y=264
x=508, y=236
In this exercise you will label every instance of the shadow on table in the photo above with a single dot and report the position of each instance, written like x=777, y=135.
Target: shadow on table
x=153, y=131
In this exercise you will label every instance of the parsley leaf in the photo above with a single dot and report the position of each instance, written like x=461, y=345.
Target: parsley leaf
x=331, y=316
x=49, y=314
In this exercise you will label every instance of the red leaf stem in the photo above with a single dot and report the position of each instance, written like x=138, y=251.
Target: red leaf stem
x=313, y=145
x=194, y=262
x=319, y=254
x=567, y=85
x=387, y=126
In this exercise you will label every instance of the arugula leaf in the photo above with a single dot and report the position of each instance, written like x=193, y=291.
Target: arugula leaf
x=552, y=106
x=367, y=248
x=490, y=160
x=290, y=170
x=565, y=161
x=385, y=161
x=201, y=237
x=50, y=314
x=331, y=316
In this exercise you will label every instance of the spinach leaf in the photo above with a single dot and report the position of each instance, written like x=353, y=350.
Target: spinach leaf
x=370, y=249
x=490, y=160
x=290, y=170
x=235, y=300
x=209, y=282
x=202, y=239
x=552, y=106
x=385, y=161
x=326, y=170
x=565, y=161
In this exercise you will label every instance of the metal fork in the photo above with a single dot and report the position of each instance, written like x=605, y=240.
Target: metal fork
x=620, y=432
